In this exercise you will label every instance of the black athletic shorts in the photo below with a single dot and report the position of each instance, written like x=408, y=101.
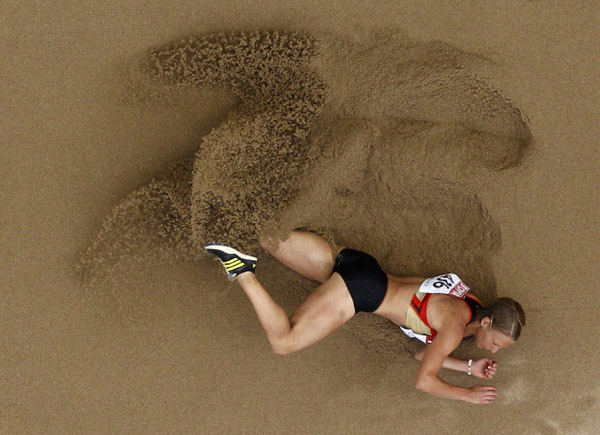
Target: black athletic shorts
x=366, y=281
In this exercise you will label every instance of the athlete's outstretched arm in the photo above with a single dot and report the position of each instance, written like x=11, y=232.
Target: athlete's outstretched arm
x=427, y=379
x=482, y=368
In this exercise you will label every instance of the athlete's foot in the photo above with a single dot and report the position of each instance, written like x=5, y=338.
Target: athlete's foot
x=234, y=262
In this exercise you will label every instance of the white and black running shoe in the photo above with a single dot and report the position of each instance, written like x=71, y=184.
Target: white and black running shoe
x=232, y=260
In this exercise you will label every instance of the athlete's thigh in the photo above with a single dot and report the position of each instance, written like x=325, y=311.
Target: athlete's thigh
x=306, y=253
x=323, y=311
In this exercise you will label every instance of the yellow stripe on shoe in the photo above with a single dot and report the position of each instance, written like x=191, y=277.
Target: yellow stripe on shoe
x=228, y=262
x=234, y=265
x=232, y=260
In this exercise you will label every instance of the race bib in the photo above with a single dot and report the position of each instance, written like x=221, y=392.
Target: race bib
x=421, y=337
x=449, y=284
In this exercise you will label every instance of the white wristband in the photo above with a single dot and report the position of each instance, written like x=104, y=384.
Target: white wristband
x=469, y=367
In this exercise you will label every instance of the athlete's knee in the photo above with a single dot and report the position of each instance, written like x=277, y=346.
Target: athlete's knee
x=268, y=243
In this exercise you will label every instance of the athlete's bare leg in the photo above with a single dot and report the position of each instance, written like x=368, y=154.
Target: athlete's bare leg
x=323, y=311
x=303, y=252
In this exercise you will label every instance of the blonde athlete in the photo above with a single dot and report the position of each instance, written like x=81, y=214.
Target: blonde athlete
x=437, y=311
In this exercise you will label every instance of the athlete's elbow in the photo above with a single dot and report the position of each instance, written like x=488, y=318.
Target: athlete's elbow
x=277, y=350
x=281, y=349
x=422, y=384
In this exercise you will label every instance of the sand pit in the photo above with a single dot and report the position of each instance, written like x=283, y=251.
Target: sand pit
x=380, y=164
x=460, y=137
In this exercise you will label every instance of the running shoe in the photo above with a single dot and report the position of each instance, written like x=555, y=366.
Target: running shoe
x=232, y=260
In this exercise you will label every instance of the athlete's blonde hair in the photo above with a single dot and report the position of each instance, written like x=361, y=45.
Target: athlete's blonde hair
x=506, y=315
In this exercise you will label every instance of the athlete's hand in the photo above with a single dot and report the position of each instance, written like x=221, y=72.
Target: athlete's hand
x=482, y=394
x=484, y=368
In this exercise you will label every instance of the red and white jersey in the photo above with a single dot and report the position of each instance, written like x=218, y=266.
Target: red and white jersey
x=417, y=325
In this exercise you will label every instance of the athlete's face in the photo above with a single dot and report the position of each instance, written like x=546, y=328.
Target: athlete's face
x=490, y=339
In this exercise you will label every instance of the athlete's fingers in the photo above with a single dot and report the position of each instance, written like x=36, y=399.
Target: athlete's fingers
x=486, y=393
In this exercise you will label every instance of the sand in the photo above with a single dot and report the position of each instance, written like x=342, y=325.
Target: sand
x=458, y=137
